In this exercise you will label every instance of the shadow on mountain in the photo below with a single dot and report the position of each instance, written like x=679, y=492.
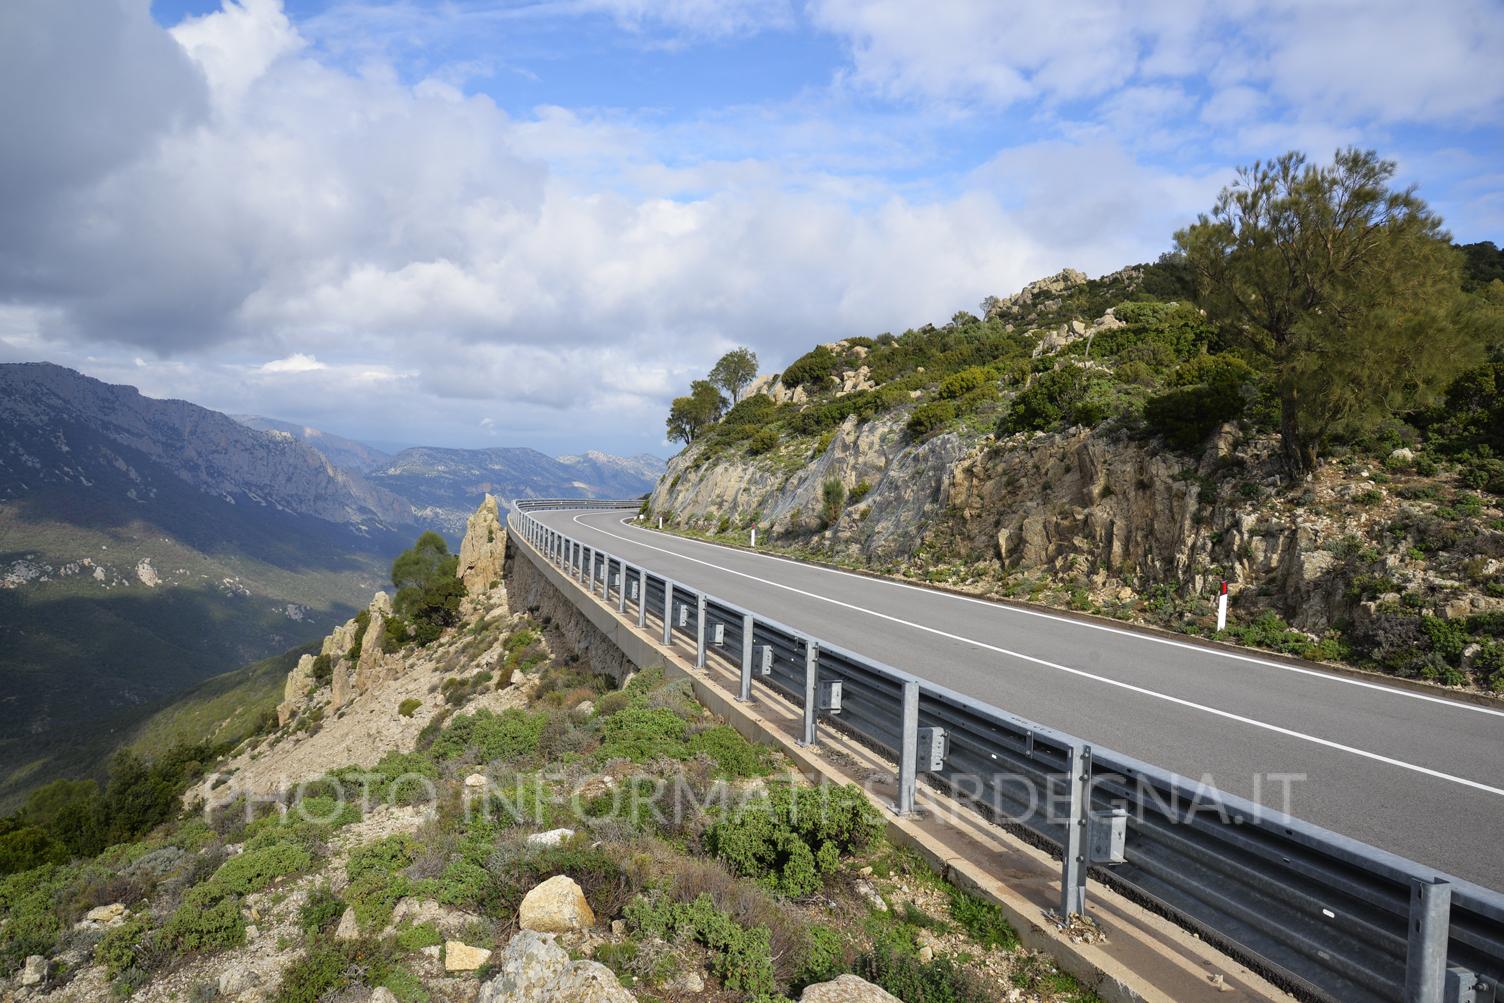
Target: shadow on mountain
x=75, y=669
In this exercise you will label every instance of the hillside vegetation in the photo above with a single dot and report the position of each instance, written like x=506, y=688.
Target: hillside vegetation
x=1121, y=444
x=394, y=846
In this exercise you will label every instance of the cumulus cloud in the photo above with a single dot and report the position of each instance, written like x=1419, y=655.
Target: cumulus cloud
x=272, y=228
x=1384, y=60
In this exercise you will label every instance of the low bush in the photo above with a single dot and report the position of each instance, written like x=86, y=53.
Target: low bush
x=815, y=369
x=959, y=384
x=409, y=707
x=765, y=440
x=931, y=417
x=511, y=736
x=795, y=838
x=741, y=957
x=643, y=734
x=734, y=756
x=832, y=500
x=1208, y=391
x=320, y=911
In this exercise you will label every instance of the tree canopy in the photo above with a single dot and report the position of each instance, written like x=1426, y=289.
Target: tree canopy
x=691, y=415
x=428, y=589
x=735, y=370
x=1347, y=290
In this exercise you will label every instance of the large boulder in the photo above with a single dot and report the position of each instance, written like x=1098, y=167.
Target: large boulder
x=34, y=972
x=534, y=969
x=374, y=663
x=483, y=549
x=556, y=906
x=847, y=989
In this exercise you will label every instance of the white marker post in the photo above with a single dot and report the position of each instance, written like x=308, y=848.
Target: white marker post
x=1222, y=608
x=754, y=536
x=660, y=523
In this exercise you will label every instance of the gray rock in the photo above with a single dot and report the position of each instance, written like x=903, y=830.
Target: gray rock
x=349, y=928
x=534, y=969
x=552, y=837
x=34, y=972
x=237, y=979
x=847, y=989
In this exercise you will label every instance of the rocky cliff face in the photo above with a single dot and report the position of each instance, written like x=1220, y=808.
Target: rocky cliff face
x=1102, y=511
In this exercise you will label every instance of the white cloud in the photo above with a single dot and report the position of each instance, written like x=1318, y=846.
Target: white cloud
x=295, y=363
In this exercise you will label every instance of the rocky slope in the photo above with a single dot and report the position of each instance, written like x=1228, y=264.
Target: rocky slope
x=1379, y=549
x=482, y=820
x=345, y=454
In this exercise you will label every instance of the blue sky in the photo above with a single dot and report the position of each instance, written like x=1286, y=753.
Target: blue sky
x=479, y=222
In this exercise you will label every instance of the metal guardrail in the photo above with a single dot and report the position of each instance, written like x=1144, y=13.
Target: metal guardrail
x=537, y=504
x=1327, y=916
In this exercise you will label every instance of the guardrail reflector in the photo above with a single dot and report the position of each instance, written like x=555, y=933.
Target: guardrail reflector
x=933, y=745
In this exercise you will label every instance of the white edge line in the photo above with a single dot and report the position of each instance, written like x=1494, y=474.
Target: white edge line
x=1179, y=701
x=1136, y=635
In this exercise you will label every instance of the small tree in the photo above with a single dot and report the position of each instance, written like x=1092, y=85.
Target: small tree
x=689, y=416
x=735, y=370
x=1347, y=289
x=428, y=590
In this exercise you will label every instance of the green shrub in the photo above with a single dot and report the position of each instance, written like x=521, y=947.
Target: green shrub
x=931, y=417
x=764, y=441
x=862, y=490
x=28, y=902
x=409, y=707
x=1046, y=402
x=832, y=500
x=511, y=736
x=254, y=869
x=1209, y=390
x=983, y=921
x=208, y=920
x=320, y=911
x=419, y=936
x=323, y=669
x=825, y=956
x=428, y=593
x=643, y=734
x=961, y=383
x=901, y=973
x=376, y=878
x=796, y=837
x=734, y=756
x=121, y=948
x=329, y=968
x=815, y=368
x=740, y=957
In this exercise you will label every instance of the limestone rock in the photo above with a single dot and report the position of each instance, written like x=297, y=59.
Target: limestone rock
x=381, y=994
x=529, y=962
x=555, y=906
x=349, y=928
x=552, y=837
x=533, y=969
x=34, y=972
x=476, y=780
x=483, y=549
x=372, y=667
x=846, y=989
x=106, y=913
x=295, y=690
x=461, y=957
x=870, y=894
x=238, y=979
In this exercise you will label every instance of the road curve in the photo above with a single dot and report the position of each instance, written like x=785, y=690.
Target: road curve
x=1416, y=774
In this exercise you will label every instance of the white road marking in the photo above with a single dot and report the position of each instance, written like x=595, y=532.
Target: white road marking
x=1155, y=694
x=1135, y=635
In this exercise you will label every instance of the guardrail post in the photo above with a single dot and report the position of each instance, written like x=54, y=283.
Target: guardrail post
x=642, y=598
x=1073, y=864
x=811, y=690
x=668, y=613
x=745, y=695
x=1430, y=926
x=621, y=588
x=700, y=631
x=605, y=577
x=908, y=756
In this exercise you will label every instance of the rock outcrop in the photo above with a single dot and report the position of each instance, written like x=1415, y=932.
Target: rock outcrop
x=483, y=550
x=846, y=989
x=555, y=906
x=532, y=969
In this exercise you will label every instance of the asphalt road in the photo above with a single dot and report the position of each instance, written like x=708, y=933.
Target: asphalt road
x=1419, y=775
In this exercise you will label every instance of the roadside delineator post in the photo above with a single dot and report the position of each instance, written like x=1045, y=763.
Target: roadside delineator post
x=1222, y=608
x=754, y=537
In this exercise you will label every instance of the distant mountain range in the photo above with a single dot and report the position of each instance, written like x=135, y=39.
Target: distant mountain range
x=443, y=486
x=146, y=545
